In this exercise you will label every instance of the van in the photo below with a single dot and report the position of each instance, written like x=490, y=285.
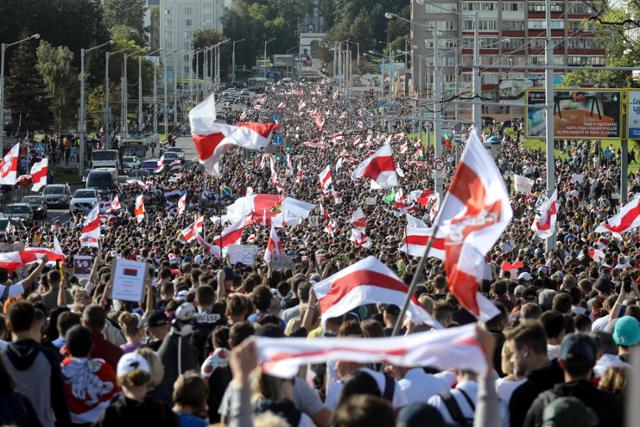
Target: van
x=104, y=180
x=105, y=159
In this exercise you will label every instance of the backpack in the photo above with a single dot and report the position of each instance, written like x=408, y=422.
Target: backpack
x=283, y=408
x=454, y=409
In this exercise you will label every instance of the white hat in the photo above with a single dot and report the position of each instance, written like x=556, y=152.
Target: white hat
x=130, y=362
x=182, y=295
x=525, y=276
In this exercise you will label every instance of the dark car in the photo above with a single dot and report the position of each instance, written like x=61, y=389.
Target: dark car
x=38, y=206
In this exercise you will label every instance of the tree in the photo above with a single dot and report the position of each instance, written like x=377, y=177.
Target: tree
x=129, y=13
x=60, y=81
x=26, y=93
x=207, y=38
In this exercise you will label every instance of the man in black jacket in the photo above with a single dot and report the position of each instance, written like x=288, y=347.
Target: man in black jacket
x=528, y=343
x=578, y=355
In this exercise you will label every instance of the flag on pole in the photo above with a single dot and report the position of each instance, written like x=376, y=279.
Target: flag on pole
x=626, y=220
x=91, y=229
x=475, y=213
x=544, y=224
x=522, y=184
x=138, y=210
x=212, y=139
x=368, y=281
x=380, y=168
x=274, y=246
x=182, y=204
x=115, y=204
x=417, y=238
x=39, y=172
x=189, y=233
x=9, y=166
x=160, y=165
x=360, y=239
x=337, y=198
x=331, y=227
x=325, y=178
x=232, y=235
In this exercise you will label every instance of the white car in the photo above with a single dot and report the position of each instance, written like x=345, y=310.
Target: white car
x=130, y=163
x=83, y=200
x=177, y=150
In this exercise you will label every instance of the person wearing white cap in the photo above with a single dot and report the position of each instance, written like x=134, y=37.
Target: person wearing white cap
x=134, y=406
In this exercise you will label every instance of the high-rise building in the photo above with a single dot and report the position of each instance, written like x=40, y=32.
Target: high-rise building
x=179, y=20
x=510, y=33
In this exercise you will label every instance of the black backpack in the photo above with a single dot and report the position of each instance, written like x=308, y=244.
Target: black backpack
x=454, y=409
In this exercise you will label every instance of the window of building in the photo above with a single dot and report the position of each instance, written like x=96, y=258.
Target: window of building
x=512, y=25
x=513, y=43
x=187, y=11
x=188, y=22
x=512, y=7
x=188, y=34
x=537, y=60
x=478, y=6
x=441, y=25
x=169, y=22
x=584, y=43
x=491, y=78
x=586, y=60
x=580, y=8
x=486, y=60
x=187, y=45
x=541, y=24
x=440, y=7
x=186, y=69
x=537, y=43
x=540, y=7
x=483, y=25
x=441, y=43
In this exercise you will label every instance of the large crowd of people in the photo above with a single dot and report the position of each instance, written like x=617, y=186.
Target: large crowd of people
x=557, y=354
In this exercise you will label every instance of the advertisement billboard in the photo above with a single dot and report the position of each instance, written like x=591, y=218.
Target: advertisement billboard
x=577, y=114
x=633, y=113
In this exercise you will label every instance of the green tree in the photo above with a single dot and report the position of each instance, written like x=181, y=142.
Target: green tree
x=26, y=93
x=129, y=13
x=60, y=80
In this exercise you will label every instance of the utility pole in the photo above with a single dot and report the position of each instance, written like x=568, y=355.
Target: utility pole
x=140, y=110
x=233, y=60
x=82, y=125
x=175, y=89
x=107, y=109
x=476, y=82
x=155, y=98
x=437, y=114
x=549, y=131
x=165, y=97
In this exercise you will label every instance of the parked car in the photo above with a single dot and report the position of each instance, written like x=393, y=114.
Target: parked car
x=38, y=206
x=56, y=195
x=177, y=150
x=139, y=173
x=130, y=163
x=149, y=165
x=19, y=211
x=6, y=222
x=84, y=199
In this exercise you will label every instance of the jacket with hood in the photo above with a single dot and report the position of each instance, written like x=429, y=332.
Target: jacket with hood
x=538, y=380
x=36, y=371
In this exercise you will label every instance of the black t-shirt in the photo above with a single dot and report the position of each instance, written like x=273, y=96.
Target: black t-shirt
x=218, y=382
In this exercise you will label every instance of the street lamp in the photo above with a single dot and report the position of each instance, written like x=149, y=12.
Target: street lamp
x=3, y=48
x=107, y=106
x=124, y=128
x=155, y=92
x=233, y=61
x=82, y=122
x=264, y=58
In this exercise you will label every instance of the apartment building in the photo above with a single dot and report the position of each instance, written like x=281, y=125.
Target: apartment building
x=510, y=33
x=179, y=20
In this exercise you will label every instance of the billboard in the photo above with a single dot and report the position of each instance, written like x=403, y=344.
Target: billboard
x=577, y=114
x=633, y=113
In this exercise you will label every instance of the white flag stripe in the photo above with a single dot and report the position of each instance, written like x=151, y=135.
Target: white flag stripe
x=452, y=348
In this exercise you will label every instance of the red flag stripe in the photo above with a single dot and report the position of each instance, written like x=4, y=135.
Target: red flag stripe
x=467, y=187
x=378, y=165
x=438, y=243
x=625, y=221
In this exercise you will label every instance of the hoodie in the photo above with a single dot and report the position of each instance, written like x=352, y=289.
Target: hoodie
x=36, y=371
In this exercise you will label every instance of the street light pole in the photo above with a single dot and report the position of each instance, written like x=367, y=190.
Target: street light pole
x=82, y=119
x=549, y=131
x=175, y=89
x=264, y=58
x=476, y=79
x=437, y=114
x=140, y=112
x=164, y=73
x=3, y=49
x=233, y=60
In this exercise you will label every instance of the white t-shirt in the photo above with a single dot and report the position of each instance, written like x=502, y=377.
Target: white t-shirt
x=505, y=388
x=335, y=390
x=600, y=324
x=418, y=386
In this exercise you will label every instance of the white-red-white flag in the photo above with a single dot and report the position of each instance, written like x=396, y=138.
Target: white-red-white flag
x=544, y=224
x=626, y=220
x=417, y=238
x=380, y=168
x=360, y=238
x=420, y=196
x=11, y=261
x=9, y=166
x=339, y=163
x=138, y=210
x=160, y=165
x=325, y=178
x=337, y=198
x=232, y=235
x=368, y=281
x=39, y=172
x=189, y=233
x=475, y=213
x=274, y=246
x=212, y=139
x=115, y=204
x=359, y=219
x=434, y=198
x=91, y=229
x=331, y=227
x=182, y=204
x=452, y=348
x=337, y=137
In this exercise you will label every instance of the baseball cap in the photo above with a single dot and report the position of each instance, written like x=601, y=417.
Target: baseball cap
x=156, y=318
x=568, y=411
x=130, y=362
x=578, y=348
x=626, y=331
